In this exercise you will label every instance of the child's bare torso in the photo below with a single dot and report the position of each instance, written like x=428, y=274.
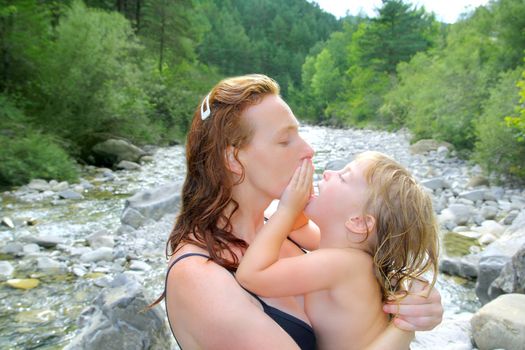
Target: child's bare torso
x=349, y=315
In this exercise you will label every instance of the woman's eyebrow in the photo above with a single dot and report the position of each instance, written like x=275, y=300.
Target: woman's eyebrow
x=286, y=129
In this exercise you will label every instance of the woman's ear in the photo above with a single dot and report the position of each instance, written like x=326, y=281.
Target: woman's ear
x=232, y=163
x=361, y=225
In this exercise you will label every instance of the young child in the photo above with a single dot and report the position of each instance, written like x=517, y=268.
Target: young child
x=378, y=231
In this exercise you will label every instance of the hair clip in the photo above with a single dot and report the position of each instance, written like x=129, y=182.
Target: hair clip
x=205, y=113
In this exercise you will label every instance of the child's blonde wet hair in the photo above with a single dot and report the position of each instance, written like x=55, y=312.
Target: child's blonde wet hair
x=406, y=228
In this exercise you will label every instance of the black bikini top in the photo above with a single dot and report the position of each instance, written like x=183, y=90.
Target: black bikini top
x=300, y=331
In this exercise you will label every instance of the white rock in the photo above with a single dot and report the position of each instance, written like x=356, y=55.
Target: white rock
x=500, y=323
x=139, y=265
x=103, y=253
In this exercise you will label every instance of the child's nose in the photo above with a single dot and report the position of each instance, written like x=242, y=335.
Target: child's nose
x=327, y=174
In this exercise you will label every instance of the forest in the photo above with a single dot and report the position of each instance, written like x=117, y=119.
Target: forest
x=73, y=73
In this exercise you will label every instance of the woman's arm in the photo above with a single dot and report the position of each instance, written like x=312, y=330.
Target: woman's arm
x=208, y=309
x=421, y=310
x=392, y=338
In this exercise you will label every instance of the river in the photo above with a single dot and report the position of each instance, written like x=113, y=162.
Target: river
x=46, y=317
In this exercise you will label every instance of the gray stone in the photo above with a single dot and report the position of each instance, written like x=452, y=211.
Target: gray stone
x=39, y=185
x=46, y=241
x=490, y=226
x=70, y=194
x=510, y=217
x=101, y=239
x=500, y=324
x=50, y=266
x=139, y=265
x=7, y=222
x=435, y=183
x=465, y=266
x=132, y=218
x=6, y=270
x=427, y=145
x=127, y=165
x=103, y=253
x=13, y=248
x=113, y=151
x=488, y=212
x=460, y=214
x=474, y=195
x=512, y=277
x=153, y=204
x=147, y=159
x=478, y=180
x=489, y=269
x=117, y=320
x=62, y=186
x=31, y=248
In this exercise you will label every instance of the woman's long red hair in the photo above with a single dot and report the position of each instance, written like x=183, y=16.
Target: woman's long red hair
x=206, y=202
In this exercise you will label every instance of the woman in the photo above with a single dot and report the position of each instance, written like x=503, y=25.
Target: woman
x=241, y=151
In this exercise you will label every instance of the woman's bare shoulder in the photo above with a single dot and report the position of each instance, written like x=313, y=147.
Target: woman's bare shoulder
x=207, y=308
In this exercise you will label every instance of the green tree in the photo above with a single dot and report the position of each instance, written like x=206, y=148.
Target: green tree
x=89, y=82
x=395, y=35
x=500, y=148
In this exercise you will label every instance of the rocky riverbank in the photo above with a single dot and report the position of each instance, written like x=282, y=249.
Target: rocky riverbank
x=76, y=259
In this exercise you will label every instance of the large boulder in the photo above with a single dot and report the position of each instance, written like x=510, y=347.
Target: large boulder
x=118, y=320
x=512, y=277
x=497, y=255
x=151, y=204
x=112, y=151
x=500, y=324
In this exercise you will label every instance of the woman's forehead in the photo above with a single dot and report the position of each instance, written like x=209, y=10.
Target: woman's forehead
x=271, y=115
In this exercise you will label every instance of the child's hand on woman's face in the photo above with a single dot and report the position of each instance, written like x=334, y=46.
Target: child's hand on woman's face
x=298, y=191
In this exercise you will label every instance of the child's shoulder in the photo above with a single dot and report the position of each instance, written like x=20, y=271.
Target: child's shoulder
x=344, y=255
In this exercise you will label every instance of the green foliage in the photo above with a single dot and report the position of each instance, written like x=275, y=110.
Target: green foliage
x=440, y=95
x=24, y=30
x=271, y=37
x=28, y=154
x=89, y=82
x=174, y=95
x=350, y=76
x=499, y=148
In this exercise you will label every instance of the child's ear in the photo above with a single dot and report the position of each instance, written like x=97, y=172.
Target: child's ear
x=233, y=164
x=362, y=224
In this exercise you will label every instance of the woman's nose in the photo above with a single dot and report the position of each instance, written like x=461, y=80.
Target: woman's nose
x=308, y=150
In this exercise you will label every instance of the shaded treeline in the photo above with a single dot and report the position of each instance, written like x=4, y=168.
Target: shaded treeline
x=74, y=73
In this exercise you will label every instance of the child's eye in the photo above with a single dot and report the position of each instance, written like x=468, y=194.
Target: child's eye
x=284, y=143
x=341, y=177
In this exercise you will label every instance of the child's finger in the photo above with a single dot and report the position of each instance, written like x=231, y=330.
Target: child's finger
x=304, y=173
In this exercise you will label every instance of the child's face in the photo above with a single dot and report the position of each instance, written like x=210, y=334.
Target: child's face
x=342, y=195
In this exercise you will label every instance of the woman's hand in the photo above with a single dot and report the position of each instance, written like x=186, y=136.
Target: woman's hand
x=299, y=190
x=419, y=310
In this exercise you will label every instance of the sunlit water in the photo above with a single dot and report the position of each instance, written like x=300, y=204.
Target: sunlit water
x=45, y=317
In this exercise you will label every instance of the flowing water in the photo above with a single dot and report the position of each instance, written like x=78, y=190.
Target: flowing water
x=45, y=317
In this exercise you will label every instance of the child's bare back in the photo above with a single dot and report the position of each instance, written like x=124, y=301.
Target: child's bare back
x=348, y=315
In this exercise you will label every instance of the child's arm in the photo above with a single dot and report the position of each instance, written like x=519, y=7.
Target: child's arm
x=261, y=270
x=307, y=235
x=304, y=232
x=392, y=338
